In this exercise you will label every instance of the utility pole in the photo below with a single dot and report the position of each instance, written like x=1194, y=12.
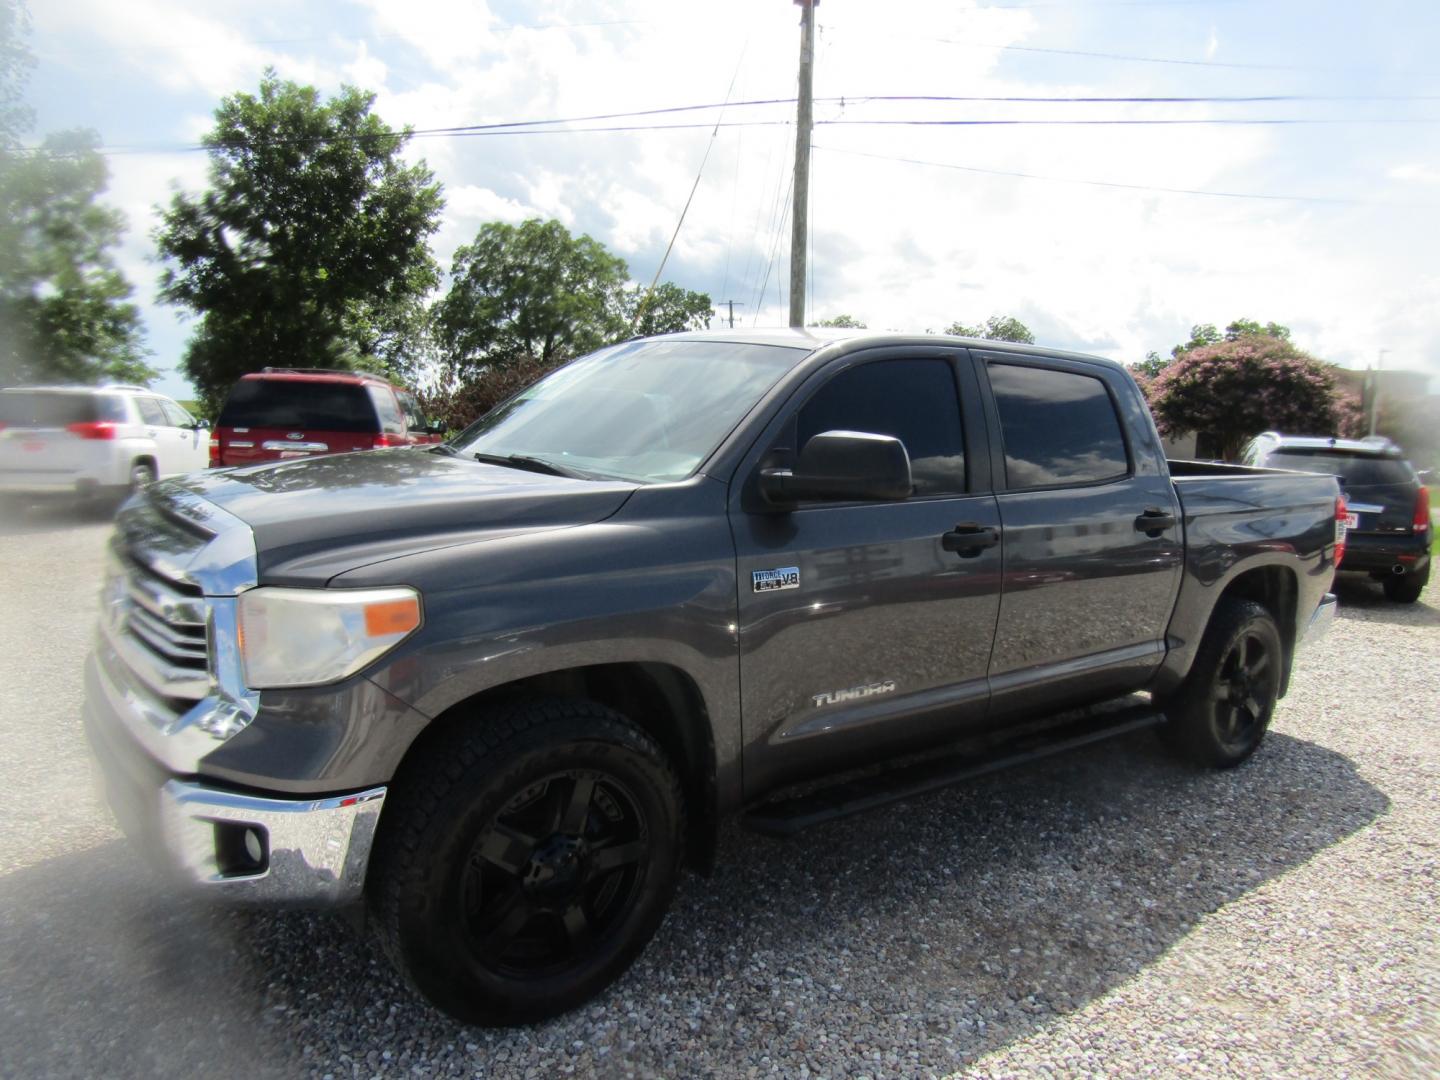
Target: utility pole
x=1375, y=388
x=800, y=218
x=731, y=305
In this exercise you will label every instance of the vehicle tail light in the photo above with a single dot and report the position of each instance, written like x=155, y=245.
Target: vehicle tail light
x=1340, y=511
x=383, y=440
x=1422, y=510
x=214, y=453
x=93, y=429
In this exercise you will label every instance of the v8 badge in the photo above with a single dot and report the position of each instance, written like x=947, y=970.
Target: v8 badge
x=785, y=577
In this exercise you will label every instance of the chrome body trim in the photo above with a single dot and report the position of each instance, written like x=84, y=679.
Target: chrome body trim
x=281, y=444
x=1321, y=620
x=317, y=850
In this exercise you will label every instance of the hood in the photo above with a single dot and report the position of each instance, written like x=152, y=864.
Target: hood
x=318, y=517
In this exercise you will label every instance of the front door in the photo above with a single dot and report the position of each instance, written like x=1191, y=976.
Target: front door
x=862, y=630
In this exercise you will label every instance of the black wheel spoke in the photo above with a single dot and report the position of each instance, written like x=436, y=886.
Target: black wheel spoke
x=507, y=849
x=509, y=918
x=1253, y=707
x=1260, y=665
x=615, y=856
x=577, y=808
x=577, y=927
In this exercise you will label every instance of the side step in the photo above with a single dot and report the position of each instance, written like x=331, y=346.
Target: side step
x=787, y=817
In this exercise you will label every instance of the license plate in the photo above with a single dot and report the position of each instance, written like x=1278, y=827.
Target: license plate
x=1352, y=521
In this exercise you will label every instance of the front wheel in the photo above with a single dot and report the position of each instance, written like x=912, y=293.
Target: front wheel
x=525, y=860
x=1219, y=714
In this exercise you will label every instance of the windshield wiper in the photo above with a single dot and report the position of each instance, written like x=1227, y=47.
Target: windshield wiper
x=531, y=464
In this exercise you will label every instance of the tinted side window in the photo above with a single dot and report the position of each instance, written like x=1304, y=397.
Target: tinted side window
x=385, y=408
x=1058, y=427
x=913, y=400
x=151, y=412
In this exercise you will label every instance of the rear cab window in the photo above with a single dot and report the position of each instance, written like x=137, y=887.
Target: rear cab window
x=309, y=405
x=1059, y=428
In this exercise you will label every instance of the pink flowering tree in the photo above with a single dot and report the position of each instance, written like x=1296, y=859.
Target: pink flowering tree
x=1237, y=388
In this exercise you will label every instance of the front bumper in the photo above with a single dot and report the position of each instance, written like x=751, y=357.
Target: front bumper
x=236, y=846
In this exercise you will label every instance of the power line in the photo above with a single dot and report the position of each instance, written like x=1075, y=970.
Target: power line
x=1116, y=184
x=553, y=125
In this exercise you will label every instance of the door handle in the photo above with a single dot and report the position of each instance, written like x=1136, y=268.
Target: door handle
x=1154, y=521
x=969, y=539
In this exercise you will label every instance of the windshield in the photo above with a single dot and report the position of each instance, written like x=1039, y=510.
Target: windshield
x=40, y=408
x=647, y=410
x=1358, y=470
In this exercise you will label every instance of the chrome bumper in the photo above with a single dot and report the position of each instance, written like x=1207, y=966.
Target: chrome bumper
x=311, y=851
x=1319, y=624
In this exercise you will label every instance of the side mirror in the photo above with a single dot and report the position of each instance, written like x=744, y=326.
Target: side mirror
x=842, y=466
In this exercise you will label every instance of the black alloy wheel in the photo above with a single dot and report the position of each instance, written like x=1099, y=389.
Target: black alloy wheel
x=1220, y=713
x=554, y=873
x=1244, y=691
x=524, y=858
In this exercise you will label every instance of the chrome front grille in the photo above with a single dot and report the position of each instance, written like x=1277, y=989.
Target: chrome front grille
x=167, y=663
x=158, y=627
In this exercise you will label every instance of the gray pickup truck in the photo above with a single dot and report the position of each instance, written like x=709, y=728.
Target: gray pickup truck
x=503, y=690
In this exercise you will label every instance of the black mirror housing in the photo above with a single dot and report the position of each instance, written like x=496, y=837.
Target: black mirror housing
x=842, y=466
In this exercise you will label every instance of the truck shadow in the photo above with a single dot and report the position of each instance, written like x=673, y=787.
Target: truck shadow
x=956, y=924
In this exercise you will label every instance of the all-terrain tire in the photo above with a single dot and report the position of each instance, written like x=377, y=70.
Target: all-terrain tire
x=1219, y=714
x=525, y=858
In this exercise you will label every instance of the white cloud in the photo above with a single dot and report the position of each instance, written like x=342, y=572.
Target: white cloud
x=1419, y=174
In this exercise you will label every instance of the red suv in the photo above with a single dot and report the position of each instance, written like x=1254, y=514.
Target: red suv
x=281, y=413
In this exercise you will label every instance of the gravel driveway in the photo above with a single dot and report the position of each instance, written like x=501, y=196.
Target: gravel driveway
x=1107, y=913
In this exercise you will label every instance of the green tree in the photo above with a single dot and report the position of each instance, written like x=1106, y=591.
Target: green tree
x=65, y=313
x=1235, y=389
x=667, y=309
x=310, y=246
x=1203, y=334
x=530, y=292
x=1151, y=366
x=996, y=328
x=841, y=322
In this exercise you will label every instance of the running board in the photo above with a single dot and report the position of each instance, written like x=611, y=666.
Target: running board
x=787, y=817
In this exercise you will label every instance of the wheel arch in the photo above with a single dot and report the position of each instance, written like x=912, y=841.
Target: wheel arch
x=661, y=699
x=1274, y=586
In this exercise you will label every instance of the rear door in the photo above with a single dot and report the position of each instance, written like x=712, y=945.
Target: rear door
x=282, y=417
x=1093, y=548
x=49, y=435
x=859, y=632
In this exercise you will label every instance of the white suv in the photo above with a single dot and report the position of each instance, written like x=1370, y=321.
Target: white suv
x=94, y=441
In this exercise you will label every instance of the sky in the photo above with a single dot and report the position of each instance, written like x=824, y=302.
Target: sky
x=1108, y=238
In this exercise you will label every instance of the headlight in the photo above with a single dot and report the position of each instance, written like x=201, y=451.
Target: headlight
x=308, y=637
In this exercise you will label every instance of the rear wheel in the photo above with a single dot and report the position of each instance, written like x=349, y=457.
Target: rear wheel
x=524, y=862
x=142, y=474
x=1406, y=588
x=1221, y=711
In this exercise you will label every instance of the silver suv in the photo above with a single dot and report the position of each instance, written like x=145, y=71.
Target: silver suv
x=88, y=441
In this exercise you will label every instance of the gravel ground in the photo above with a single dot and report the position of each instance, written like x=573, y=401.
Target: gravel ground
x=1107, y=913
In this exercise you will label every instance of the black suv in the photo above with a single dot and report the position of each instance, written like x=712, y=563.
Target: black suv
x=1388, y=507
